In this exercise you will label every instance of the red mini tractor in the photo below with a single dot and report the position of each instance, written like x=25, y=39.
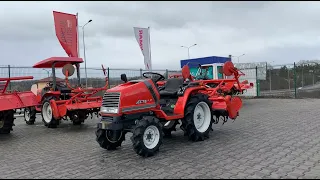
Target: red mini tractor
x=58, y=101
x=10, y=101
x=150, y=112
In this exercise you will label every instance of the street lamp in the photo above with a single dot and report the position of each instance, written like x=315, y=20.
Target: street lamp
x=47, y=72
x=84, y=51
x=188, y=49
x=239, y=56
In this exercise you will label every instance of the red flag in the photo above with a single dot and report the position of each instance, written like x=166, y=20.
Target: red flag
x=66, y=31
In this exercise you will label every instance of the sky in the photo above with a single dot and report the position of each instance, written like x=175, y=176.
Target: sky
x=275, y=32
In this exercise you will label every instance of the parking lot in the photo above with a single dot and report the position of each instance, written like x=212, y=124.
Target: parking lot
x=272, y=138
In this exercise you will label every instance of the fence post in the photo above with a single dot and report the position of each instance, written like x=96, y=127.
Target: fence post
x=108, y=70
x=257, y=82
x=140, y=73
x=295, y=79
x=167, y=74
x=270, y=81
x=9, y=74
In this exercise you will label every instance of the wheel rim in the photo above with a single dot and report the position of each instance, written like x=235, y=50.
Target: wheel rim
x=151, y=137
x=47, y=112
x=110, y=139
x=202, y=117
x=27, y=114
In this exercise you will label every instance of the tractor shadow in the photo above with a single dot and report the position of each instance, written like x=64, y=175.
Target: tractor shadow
x=178, y=146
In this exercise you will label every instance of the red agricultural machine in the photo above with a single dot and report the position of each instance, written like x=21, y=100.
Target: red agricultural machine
x=150, y=112
x=229, y=87
x=58, y=101
x=10, y=101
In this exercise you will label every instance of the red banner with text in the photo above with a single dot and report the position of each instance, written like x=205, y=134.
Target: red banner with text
x=66, y=31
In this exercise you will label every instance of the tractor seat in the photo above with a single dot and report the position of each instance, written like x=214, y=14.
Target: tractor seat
x=63, y=89
x=171, y=87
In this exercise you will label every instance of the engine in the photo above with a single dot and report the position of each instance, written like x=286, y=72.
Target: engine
x=133, y=96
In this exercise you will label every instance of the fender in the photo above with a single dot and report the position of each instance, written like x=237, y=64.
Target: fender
x=182, y=101
x=55, y=110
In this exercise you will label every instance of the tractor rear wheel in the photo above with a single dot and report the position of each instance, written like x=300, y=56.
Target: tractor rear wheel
x=109, y=139
x=6, y=121
x=30, y=115
x=147, y=136
x=46, y=113
x=198, y=114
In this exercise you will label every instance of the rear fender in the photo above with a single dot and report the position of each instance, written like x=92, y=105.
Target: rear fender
x=55, y=110
x=182, y=101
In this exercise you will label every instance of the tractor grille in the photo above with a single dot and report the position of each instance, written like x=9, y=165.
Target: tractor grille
x=111, y=99
x=107, y=118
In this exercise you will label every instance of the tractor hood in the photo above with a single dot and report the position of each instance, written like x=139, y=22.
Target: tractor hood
x=133, y=96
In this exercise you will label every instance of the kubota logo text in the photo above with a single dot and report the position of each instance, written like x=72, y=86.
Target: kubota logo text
x=141, y=39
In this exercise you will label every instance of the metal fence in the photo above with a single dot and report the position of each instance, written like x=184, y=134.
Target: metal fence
x=292, y=81
x=282, y=81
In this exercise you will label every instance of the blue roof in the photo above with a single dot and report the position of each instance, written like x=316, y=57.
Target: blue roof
x=204, y=60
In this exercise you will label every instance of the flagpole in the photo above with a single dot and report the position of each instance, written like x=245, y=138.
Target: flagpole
x=78, y=34
x=78, y=69
x=149, y=47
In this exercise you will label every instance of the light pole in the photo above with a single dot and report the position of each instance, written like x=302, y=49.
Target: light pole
x=47, y=72
x=188, y=49
x=239, y=57
x=84, y=51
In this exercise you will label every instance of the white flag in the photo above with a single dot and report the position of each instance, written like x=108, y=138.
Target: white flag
x=143, y=38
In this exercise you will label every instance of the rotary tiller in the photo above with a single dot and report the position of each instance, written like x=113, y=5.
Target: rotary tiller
x=59, y=101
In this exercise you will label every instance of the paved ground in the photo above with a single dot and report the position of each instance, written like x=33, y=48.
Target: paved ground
x=272, y=139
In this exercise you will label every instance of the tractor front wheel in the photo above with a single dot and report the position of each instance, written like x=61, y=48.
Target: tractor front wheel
x=198, y=114
x=46, y=113
x=147, y=136
x=109, y=139
x=6, y=121
x=30, y=115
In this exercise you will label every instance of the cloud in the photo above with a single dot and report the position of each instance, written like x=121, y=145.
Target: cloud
x=282, y=32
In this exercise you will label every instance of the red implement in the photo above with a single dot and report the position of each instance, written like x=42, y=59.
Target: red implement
x=10, y=101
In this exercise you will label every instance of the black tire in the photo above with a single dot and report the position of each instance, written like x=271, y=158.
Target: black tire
x=137, y=138
x=6, y=118
x=188, y=125
x=31, y=112
x=105, y=142
x=167, y=131
x=53, y=122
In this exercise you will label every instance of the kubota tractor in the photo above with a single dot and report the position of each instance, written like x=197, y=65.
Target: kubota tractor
x=140, y=107
x=58, y=101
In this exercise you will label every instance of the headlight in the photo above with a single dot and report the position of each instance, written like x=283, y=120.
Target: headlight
x=109, y=110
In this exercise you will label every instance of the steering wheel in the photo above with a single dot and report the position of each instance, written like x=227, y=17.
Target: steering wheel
x=161, y=77
x=49, y=84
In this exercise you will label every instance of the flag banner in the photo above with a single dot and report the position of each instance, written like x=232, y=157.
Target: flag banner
x=142, y=36
x=66, y=31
